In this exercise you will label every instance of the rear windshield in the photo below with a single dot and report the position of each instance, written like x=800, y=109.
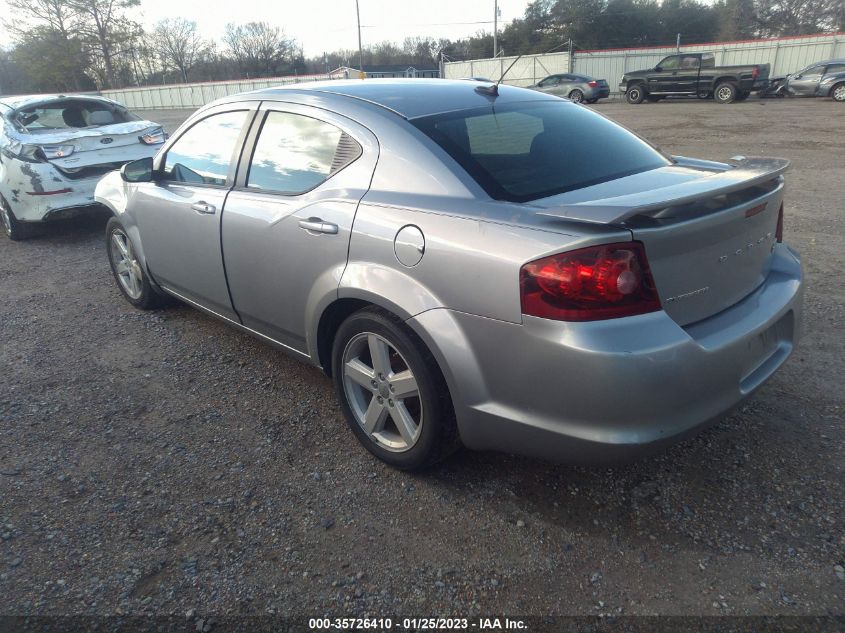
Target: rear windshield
x=526, y=151
x=71, y=113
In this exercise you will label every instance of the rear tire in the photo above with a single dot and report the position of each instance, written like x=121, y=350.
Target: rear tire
x=577, y=96
x=392, y=393
x=635, y=94
x=14, y=229
x=129, y=275
x=837, y=93
x=725, y=92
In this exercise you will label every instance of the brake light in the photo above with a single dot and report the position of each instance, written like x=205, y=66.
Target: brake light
x=755, y=71
x=589, y=284
x=779, y=228
x=592, y=84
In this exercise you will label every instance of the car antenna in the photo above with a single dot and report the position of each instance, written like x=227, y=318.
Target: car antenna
x=493, y=89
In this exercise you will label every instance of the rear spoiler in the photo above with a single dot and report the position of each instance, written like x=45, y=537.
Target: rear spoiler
x=744, y=173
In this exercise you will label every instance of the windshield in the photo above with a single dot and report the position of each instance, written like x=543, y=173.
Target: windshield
x=526, y=151
x=71, y=114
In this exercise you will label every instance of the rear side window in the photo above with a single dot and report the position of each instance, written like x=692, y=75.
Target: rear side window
x=203, y=154
x=526, y=151
x=835, y=68
x=295, y=153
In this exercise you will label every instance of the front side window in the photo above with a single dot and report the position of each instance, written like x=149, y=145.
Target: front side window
x=295, y=153
x=203, y=154
x=526, y=151
x=670, y=63
x=812, y=71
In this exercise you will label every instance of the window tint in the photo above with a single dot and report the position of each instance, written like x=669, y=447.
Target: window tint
x=203, y=154
x=835, y=68
x=525, y=151
x=295, y=153
x=670, y=63
x=708, y=60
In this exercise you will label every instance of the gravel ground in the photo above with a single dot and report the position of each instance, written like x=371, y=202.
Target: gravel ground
x=162, y=463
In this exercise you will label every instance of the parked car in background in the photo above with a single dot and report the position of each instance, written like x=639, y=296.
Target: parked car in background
x=463, y=275
x=822, y=79
x=54, y=149
x=574, y=87
x=691, y=75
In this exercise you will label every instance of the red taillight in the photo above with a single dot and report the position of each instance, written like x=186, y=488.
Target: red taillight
x=755, y=72
x=779, y=229
x=592, y=84
x=589, y=284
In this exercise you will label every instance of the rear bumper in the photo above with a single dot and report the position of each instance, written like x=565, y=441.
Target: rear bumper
x=27, y=187
x=615, y=389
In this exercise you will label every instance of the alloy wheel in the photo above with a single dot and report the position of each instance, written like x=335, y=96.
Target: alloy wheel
x=382, y=392
x=839, y=92
x=577, y=96
x=725, y=93
x=126, y=265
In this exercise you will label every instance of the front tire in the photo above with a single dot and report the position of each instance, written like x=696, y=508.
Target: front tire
x=13, y=228
x=132, y=281
x=576, y=95
x=635, y=94
x=837, y=93
x=725, y=92
x=392, y=393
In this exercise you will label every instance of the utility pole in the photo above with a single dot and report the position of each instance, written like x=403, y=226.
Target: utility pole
x=570, y=61
x=678, y=44
x=361, y=74
x=495, y=27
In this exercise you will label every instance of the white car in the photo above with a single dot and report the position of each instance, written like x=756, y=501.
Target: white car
x=54, y=150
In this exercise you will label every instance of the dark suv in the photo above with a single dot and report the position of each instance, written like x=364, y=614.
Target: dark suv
x=694, y=74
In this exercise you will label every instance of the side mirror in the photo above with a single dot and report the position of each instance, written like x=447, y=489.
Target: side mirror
x=140, y=170
x=658, y=69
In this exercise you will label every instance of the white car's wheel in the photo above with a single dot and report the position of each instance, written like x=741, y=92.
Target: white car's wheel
x=838, y=92
x=12, y=227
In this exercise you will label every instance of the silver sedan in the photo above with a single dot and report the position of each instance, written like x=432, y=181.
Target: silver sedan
x=574, y=87
x=463, y=277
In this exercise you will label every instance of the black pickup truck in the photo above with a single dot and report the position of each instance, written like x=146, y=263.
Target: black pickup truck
x=694, y=74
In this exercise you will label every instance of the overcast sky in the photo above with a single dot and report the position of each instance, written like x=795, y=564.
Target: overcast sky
x=327, y=25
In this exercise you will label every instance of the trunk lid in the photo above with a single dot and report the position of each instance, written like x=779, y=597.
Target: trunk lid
x=708, y=228
x=102, y=145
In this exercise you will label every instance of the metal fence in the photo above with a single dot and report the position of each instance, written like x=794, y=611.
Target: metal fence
x=197, y=94
x=785, y=55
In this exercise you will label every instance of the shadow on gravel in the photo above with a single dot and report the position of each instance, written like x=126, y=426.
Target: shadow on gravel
x=78, y=229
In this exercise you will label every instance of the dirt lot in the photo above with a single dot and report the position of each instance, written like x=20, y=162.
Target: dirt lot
x=157, y=463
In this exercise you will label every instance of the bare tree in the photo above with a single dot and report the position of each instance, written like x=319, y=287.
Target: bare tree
x=178, y=44
x=259, y=48
x=109, y=32
x=58, y=24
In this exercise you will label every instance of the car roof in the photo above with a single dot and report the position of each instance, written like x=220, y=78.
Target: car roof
x=410, y=98
x=21, y=101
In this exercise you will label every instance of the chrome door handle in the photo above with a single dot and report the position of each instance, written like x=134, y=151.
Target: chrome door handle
x=318, y=226
x=203, y=207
